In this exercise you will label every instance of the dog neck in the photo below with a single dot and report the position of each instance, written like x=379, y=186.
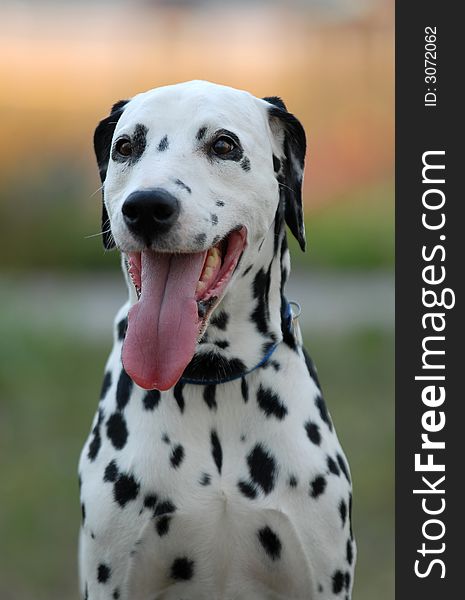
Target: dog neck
x=251, y=320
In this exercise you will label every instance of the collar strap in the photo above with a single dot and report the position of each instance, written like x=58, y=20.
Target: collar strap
x=288, y=319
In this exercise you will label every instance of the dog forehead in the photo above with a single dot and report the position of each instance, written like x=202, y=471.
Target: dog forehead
x=196, y=104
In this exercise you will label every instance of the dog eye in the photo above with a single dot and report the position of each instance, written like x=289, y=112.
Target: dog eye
x=223, y=145
x=123, y=147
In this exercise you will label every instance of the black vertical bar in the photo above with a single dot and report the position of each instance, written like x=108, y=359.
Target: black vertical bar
x=429, y=123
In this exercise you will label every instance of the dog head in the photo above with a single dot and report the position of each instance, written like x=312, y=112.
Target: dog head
x=194, y=176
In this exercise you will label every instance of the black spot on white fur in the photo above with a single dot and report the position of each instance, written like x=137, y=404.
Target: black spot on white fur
x=182, y=569
x=311, y=369
x=103, y=573
x=177, y=456
x=332, y=466
x=96, y=440
x=270, y=542
x=350, y=517
x=321, y=405
x=217, y=451
x=347, y=580
x=342, y=464
x=139, y=142
x=338, y=582
x=117, y=430
x=164, y=144
x=261, y=290
x=220, y=320
x=123, y=390
x=293, y=482
x=244, y=389
x=182, y=185
x=178, y=395
x=122, y=328
x=223, y=344
x=201, y=133
x=205, y=479
x=276, y=164
x=270, y=403
x=313, y=432
x=125, y=489
x=106, y=384
x=343, y=511
x=151, y=399
x=317, y=486
x=200, y=239
x=245, y=164
x=162, y=525
x=164, y=508
x=111, y=472
x=262, y=468
x=209, y=395
x=349, y=552
x=150, y=501
x=247, y=489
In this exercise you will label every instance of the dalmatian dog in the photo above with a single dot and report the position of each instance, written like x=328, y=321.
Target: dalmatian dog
x=212, y=470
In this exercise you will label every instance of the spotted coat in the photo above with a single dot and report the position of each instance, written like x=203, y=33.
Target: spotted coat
x=236, y=490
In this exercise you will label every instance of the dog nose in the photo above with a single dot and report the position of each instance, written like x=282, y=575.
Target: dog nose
x=149, y=212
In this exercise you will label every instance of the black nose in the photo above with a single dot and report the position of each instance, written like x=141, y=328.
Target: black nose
x=149, y=212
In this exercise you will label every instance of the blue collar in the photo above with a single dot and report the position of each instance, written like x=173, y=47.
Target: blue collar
x=288, y=320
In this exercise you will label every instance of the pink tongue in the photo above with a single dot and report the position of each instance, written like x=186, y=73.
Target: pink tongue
x=163, y=325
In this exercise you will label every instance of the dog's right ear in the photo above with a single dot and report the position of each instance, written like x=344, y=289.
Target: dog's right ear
x=102, y=146
x=289, y=135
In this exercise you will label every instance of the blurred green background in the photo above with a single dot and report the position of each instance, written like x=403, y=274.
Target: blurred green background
x=62, y=64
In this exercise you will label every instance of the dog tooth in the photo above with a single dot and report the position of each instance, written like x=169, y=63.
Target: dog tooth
x=212, y=261
x=207, y=273
x=200, y=286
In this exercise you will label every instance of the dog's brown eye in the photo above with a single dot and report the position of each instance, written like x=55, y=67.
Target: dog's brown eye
x=123, y=147
x=223, y=145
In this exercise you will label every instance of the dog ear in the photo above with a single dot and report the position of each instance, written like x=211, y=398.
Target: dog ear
x=102, y=146
x=289, y=165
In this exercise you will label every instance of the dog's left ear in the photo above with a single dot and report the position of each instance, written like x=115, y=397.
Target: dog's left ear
x=102, y=146
x=288, y=160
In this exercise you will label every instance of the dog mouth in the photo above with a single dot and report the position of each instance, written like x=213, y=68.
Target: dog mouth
x=176, y=295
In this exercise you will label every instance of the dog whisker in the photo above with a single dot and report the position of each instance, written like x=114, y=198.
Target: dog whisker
x=96, y=191
x=97, y=234
x=286, y=187
x=103, y=232
x=112, y=241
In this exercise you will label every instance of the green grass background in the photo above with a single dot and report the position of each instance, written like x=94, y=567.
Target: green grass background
x=353, y=231
x=49, y=384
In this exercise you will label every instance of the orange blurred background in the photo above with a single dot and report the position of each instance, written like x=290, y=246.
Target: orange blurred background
x=62, y=66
